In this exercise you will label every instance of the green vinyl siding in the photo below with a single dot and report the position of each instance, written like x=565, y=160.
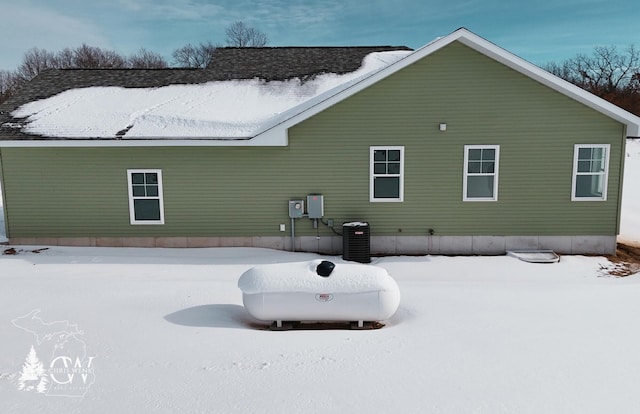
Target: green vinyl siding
x=483, y=103
x=244, y=191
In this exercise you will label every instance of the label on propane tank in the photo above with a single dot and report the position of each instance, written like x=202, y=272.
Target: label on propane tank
x=324, y=297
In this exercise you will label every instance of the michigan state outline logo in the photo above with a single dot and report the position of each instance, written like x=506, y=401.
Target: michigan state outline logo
x=58, y=364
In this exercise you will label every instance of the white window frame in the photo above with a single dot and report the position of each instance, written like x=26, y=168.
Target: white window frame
x=495, y=173
x=373, y=176
x=132, y=198
x=604, y=174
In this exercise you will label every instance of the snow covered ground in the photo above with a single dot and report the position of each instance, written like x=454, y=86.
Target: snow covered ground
x=169, y=334
x=164, y=330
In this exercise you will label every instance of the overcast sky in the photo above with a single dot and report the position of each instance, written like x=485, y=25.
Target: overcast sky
x=538, y=31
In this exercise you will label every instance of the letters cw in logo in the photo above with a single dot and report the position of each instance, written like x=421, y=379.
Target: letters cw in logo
x=63, y=370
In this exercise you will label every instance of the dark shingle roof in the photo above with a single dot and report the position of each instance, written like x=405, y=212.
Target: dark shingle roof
x=272, y=63
x=278, y=63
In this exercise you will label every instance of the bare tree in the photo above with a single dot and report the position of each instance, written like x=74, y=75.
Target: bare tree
x=65, y=59
x=607, y=70
x=607, y=73
x=86, y=57
x=604, y=72
x=190, y=56
x=35, y=61
x=200, y=56
x=4, y=83
x=9, y=83
x=90, y=57
x=562, y=70
x=634, y=84
x=145, y=59
x=241, y=35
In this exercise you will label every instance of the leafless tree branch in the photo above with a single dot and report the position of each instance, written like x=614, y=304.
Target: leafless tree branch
x=190, y=56
x=241, y=35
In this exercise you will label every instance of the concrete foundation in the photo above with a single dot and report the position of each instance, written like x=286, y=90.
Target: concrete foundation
x=380, y=245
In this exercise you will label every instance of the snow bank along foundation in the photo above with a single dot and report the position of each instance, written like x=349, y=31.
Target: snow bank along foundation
x=333, y=245
x=319, y=291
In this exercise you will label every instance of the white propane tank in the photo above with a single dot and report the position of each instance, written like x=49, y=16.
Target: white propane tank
x=301, y=292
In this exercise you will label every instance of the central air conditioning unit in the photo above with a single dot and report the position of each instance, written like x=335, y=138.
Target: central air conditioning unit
x=356, y=242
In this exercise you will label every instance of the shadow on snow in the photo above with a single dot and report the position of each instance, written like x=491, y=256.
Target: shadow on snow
x=214, y=316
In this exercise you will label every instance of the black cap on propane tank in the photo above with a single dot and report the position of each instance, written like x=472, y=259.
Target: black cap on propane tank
x=325, y=268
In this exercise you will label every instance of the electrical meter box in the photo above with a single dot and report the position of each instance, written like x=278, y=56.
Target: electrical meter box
x=296, y=208
x=315, y=206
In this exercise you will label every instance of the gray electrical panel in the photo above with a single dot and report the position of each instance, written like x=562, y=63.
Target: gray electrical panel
x=296, y=208
x=315, y=206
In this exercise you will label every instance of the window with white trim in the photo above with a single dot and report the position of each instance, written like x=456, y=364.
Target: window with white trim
x=386, y=174
x=145, y=196
x=590, y=172
x=480, y=182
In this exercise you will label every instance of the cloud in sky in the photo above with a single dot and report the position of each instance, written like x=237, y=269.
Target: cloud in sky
x=171, y=10
x=538, y=31
x=35, y=26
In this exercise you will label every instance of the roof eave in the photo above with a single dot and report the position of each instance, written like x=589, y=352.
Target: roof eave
x=268, y=139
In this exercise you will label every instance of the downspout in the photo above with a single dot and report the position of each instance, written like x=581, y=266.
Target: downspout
x=3, y=198
x=623, y=156
x=293, y=234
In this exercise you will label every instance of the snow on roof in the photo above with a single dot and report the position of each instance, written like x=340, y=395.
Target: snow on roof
x=220, y=109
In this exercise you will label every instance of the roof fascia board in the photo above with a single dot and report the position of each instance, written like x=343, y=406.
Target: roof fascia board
x=265, y=140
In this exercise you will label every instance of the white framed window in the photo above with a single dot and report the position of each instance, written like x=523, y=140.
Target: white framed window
x=590, y=172
x=480, y=182
x=145, y=196
x=386, y=182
